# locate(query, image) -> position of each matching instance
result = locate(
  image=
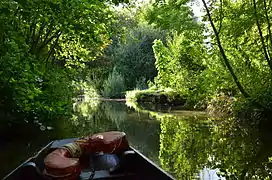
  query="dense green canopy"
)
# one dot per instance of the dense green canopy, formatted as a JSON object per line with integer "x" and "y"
{"x": 44, "y": 46}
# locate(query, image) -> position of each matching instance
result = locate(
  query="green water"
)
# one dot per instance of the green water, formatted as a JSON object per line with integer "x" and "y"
{"x": 188, "y": 145}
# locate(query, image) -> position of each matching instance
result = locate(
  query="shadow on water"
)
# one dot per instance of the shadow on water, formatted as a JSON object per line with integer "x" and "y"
{"x": 186, "y": 144}
{"x": 90, "y": 117}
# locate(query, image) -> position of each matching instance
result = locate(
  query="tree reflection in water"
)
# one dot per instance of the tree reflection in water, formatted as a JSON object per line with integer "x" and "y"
{"x": 186, "y": 144}
{"x": 189, "y": 145}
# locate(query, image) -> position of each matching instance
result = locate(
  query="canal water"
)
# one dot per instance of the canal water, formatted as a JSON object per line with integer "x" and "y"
{"x": 188, "y": 145}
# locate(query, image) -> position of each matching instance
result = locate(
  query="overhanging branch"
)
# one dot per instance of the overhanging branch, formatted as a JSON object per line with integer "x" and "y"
{"x": 226, "y": 61}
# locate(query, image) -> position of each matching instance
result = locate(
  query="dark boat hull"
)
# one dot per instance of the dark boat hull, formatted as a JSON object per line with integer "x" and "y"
{"x": 129, "y": 165}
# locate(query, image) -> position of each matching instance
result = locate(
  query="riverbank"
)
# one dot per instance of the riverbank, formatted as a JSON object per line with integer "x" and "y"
{"x": 109, "y": 99}
{"x": 157, "y": 99}
{"x": 220, "y": 105}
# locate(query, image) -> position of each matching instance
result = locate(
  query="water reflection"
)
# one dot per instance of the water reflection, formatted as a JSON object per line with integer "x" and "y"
{"x": 209, "y": 174}
{"x": 186, "y": 144}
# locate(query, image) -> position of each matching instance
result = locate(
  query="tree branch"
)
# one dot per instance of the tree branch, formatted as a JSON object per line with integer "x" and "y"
{"x": 53, "y": 47}
{"x": 46, "y": 41}
{"x": 261, "y": 36}
{"x": 221, "y": 17}
{"x": 49, "y": 31}
{"x": 37, "y": 38}
{"x": 222, "y": 51}
{"x": 31, "y": 29}
{"x": 268, "y": 24}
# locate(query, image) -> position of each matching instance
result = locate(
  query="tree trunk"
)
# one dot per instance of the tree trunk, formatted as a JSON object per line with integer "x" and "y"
{"x": 53, "y": 47}
{"x": 47, "y": 41}
{"x": 222, "y": 51}
{"x": 261, "y": 36}
{"x": 268, "y": 25}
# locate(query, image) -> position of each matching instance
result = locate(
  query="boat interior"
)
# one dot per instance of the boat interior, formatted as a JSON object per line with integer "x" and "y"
{"x": 127, "y": 165}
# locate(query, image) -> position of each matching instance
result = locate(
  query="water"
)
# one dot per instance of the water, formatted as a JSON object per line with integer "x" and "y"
{"x": 188, "y": 145}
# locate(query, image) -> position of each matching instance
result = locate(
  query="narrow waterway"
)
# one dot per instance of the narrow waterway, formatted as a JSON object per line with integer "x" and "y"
{"x": 188, "y": 145}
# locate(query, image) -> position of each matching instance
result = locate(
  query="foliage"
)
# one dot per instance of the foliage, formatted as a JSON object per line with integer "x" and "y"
{"x": 134, "y": 57}
{"x": 130, "y": 51}
{"x": 141, "y": 83}
{"x": 45, "y": 46}
{"x": 244, "y": 47}
{"x": 232, "y": 55}
{"x": 138, "y": 95}
{"x": 172, "y": 15}
{"x": 221, "y": 61}
{"x": 221, "y": 105}
{"x": 114, "y": 86}
{"x": 179, "y": 64}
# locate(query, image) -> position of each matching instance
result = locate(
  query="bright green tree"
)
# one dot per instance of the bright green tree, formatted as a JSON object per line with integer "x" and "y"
{"x": 234, "y": 49}
{"x": 44, "y": 48}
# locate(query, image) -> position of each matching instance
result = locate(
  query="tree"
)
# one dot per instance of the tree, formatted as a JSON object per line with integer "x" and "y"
{"x": 134, "y": 58}
{"x": 245, "y": 48}
{"x": 235, "y": 51}
{"x": 45, "y": 46}
{"x": 237, "y": 82}
{"x": 114, "y": 86}
{"x": 172, "y": 15}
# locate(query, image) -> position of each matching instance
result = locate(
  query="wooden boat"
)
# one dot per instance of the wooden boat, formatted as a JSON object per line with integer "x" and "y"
{"x": 129, "y": 164}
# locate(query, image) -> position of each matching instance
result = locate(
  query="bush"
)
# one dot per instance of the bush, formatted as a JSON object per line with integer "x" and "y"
{"x": 134, "y": 57}
{"x": 114, "y": 86}
{"x": 141, "y": 83}
{"x": 221, "y": 105}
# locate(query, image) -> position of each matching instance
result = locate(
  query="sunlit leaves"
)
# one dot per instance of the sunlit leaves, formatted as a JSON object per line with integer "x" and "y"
{"x": 45, "y": 45}
{"x": 179, "y": 62}
{"x": 172, "y": 15}
{"x": 242, "y": 42}
{"x": 239, "y": 33}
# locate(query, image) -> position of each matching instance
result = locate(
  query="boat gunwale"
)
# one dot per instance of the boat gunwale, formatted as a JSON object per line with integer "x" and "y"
{"x": 36, "y": 154}
{"x": 52, "y": 142}
{"x": 152, "y": 163}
